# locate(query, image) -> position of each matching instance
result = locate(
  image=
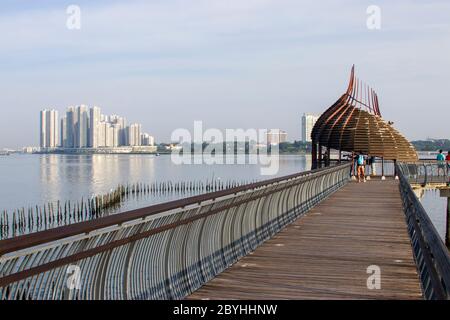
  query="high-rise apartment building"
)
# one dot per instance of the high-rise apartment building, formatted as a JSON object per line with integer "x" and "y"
{"x": 109, "y": 135}
{"x": 117, "y": 131}
{"x": 134, "y": 134}
{"x": 102, "y": 134}
{"x": 82, "y": 127}
{"x": 308, "y": 122}
{"x": 43, "y": 129}
{"x": 94, "y": 126}
{"x": 49, "y": 132}
{"x": 71, "y": 120}
{"x": 63, "y": 134}
{"x": 276, "y": 137}
{"x": 147, "y": 140}
{"x": 117, "y": 120}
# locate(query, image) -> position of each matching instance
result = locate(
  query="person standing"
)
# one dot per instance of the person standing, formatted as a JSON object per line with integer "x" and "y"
{"x": 440, "y": 156}
{"x": 361, "y": 163}
{"x": 441, "y": 161}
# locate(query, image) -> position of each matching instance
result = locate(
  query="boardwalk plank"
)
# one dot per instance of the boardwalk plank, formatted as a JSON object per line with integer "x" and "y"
{"x": 325, "y": 254}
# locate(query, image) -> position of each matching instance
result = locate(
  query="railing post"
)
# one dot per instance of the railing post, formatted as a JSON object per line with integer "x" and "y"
{"x": 426, "y": 176}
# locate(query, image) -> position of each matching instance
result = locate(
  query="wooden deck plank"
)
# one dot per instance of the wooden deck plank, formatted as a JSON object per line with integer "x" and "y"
{"x": 325, "y": 254}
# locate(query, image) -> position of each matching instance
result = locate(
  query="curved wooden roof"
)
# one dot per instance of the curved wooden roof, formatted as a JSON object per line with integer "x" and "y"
{"x": 354, "y": 124}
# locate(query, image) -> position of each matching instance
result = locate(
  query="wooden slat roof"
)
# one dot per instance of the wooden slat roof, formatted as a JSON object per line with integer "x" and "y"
{"x": 354, "y": 124}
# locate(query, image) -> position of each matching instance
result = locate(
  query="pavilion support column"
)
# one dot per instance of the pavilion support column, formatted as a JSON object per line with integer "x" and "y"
{"x": 328, "y": 157}
{"x": 353, "y": 175}
{"x": 395, "y": 170}
{"x": 340, "y": 156}
{"x": 382, "y": 169}
{"x": 313, "y": 155}
{"x": 320, "y": 155}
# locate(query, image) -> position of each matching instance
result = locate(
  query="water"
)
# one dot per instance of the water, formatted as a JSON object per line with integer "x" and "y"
{"x": 30, "y": 180}
{"x": 436, "y": 207}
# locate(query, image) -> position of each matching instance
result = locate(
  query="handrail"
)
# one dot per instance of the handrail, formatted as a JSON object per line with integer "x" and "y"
{"x": 33, "y": 239}
{"x": 432, "y": 256}
{"x": 426, "y": 172}
{"x": 164, "y": 251}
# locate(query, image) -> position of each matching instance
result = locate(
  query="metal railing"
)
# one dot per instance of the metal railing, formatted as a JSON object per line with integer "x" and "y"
{"x": 426, "y": 172}
{"x": 165, "y": 251}
{"x": 431, "y": 255}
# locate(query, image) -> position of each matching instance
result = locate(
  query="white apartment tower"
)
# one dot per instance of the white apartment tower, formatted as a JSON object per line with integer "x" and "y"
{"x": 308, "y": 122}
{"x": 81, "y": 128}
{"x": 134, "y": 134}
{"x": 49, "y": 132}
{"x": 102, "y": 133}
{"x": 63, "y": 134}
{"x": 147, "y": 140}
{"x": 277, "y": 136}
{"x": 71, "y": 120}
{"x": 94, "y": 127}
{"x": 109, "y": 135}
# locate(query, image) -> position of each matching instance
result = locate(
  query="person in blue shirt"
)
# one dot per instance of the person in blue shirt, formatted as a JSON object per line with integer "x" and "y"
{"x": 441, "y": 161}
{"x": 440, "y": 156}
{"x": 361, "y": 166}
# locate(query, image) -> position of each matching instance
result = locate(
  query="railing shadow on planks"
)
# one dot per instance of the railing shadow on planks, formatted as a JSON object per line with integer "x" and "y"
{"x": 165, "y": 251}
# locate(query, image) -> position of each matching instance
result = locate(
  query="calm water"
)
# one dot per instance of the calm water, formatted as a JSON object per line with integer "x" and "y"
{"x": 30, "y": 180}
{"x": 436, "y": 207}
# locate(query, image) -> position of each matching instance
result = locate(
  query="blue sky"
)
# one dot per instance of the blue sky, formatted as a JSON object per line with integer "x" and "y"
{"x": 232, "y": 64}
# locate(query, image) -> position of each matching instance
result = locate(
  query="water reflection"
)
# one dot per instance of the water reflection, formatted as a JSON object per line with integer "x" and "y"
{"x": 30, "y": 180}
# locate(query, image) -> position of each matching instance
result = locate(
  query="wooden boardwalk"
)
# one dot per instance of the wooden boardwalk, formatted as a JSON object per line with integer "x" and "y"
{"x": 325, "y": 254}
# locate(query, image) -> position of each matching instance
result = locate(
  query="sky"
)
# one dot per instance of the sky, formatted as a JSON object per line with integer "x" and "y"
{"x": 229, "y": 63}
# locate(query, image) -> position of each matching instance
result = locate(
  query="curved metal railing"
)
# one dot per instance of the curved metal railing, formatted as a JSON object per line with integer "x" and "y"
{"x": 426, "y": 172}
{"x": 432, "y": 256}
{"x": 165, "y": 251}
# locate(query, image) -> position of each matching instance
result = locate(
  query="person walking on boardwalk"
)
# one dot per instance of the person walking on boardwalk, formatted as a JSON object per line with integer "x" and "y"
{"x": 361, "y": 163}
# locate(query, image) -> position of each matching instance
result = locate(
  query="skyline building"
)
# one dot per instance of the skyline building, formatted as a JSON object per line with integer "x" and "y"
{"x": 276, "y": 136}
{"x": 70, "y": 128}
{"x": 94, "y": 120}
{"x": 84, "y": 127}
{"x": 147, "y": 140}
{"x": 308, "y": 122}
{"x": 134, "y": 135}
{"x": 63, "y": 132}
{"x": 49, "y": 132}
